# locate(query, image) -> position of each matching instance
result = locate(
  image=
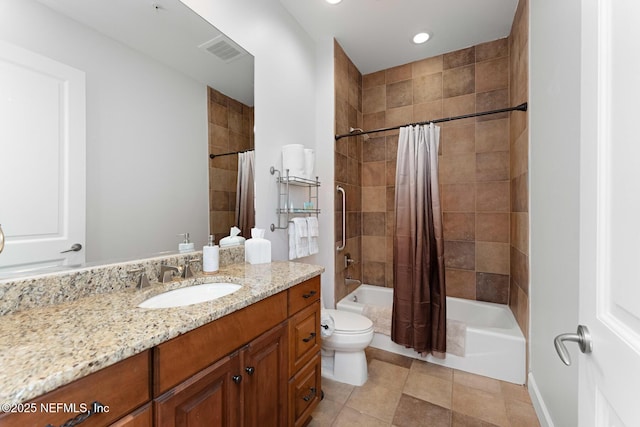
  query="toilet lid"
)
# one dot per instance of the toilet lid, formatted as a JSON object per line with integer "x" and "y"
{"x": 347, "y": 321}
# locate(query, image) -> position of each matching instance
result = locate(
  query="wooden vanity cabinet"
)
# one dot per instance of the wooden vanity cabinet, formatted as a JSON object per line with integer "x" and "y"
{"x": 258, "y": 366}
{"x": 272, "y": 381}
{"x": 245, "y": 388}
{"x": 121, "y": 388}
{"x": 305, "y": 386}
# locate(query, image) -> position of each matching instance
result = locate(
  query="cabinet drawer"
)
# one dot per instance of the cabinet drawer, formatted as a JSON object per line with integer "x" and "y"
{"x": 304, "y": 392}
{"x": 121, "y": 387}
{"x": 180, "y": 358}
{"x": 304, "y": 294}
{"x": 304, "y": 337}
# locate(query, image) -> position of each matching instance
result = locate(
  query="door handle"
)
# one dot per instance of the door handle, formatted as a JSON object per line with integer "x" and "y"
{"x": 74, "y": 248}
{"x": 582, "y": 337}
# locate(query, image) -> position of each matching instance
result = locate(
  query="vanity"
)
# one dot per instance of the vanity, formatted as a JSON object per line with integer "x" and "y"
{"x": 246, "y": 359}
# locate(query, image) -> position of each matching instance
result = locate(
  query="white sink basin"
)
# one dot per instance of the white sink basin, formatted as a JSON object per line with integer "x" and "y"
{"x": 190, "y": 295}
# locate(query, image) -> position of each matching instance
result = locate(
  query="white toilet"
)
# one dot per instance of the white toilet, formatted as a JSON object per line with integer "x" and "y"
{"x": 343, "y": 357}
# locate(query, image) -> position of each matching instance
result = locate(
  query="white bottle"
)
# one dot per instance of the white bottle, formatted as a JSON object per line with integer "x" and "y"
{"x": 210, "y": 257}
{"x": 186, "y": 245}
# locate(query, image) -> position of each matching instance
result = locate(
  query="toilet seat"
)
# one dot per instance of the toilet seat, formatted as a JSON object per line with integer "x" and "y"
{"x": 347, "y": 323}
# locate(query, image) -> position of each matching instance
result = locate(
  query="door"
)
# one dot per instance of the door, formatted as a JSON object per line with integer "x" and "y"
{"x": 42, "y": 160}
{"x": 610, "y": 212}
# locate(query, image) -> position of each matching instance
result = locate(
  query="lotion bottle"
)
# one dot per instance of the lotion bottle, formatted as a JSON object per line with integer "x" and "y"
{"x": 210, "y": 257}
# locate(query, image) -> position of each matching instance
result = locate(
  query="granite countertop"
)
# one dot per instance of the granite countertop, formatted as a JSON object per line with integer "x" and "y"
{"x": 45, "y": 347}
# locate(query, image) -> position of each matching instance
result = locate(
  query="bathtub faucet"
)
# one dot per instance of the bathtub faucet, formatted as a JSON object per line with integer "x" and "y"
{"x": 348, "y": 260}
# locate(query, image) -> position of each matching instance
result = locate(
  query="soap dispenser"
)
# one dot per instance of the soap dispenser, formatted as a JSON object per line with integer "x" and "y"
{"x": 210, "y": 257}
{"x": 186, "y": 245}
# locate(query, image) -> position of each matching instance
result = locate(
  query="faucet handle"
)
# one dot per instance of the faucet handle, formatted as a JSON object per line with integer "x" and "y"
{"x": 143, "y": 280}
{"x": 186, "y": 269}
{"x": 348, "y": 260}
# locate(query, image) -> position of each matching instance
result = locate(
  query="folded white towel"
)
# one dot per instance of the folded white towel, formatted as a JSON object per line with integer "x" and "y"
{"x": 312, "y": 223}
{"x": 292, "y": 241}
{"x": 302, "y": 241}
{"x": 302, "y": 229}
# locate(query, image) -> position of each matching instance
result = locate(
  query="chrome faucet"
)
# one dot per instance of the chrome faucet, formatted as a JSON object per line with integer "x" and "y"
{"x": 167, "y": 271}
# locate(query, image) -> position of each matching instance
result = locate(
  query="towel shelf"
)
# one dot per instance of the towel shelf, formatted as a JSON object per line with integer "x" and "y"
{"x": 285, "y": 209}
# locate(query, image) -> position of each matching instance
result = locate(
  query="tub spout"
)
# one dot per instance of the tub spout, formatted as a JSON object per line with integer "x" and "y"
{"x": 349, "y": 282}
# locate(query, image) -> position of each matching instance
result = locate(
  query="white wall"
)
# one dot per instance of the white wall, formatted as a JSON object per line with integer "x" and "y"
{"x": 146, "y": 136}
{"x": 554, "y": 203}
{"x": 293, "y": 104}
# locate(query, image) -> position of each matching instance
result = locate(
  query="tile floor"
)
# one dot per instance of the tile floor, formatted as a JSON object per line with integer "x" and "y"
{"x": 405, "y": 392}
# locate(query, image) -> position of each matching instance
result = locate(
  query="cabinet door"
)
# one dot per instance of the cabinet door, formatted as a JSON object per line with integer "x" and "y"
{"x": 211, "y": 398}
{"x": 139, "y": 418}
{"x": 265, "y": 373}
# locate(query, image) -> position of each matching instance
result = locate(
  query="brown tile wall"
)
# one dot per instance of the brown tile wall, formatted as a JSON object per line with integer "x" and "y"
{"x": 519, "y": 170}
{"x": 230, "y": 129}
{"x": 474, "y": 165}
{"x": 348, "y": 170}
{"x": 483, "y": 165}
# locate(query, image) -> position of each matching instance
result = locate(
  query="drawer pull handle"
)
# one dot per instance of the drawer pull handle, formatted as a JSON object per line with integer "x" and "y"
{"x": 310, "y": 337}
{"x": 96, "y": 408}
{"x": 309, "y": 295}
{"x": 237, "y": 379}
{"x": 311, "y": 395}
{"x": 250, "y": 370}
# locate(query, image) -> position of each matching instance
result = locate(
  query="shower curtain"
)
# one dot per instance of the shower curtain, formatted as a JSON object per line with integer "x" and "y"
{"x": 419, "y": 299}
{"x": 245, "y": 211}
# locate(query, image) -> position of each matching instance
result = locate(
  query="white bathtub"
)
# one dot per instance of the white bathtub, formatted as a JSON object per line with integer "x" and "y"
{"x": 494, "y": 344}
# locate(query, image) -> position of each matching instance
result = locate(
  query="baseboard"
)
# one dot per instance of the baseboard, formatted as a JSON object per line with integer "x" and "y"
{"x": 538, "y": 403}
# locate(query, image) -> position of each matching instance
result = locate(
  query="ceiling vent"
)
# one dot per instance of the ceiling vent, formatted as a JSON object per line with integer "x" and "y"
{"x": 223, "y": 48}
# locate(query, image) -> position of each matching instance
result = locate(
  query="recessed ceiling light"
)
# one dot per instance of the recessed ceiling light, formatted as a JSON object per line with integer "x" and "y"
{"x": 333, "y": 1}
{"x": 421, "y": 38}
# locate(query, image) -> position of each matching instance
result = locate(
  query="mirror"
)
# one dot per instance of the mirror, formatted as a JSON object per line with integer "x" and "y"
{"x": 150, "y": 115}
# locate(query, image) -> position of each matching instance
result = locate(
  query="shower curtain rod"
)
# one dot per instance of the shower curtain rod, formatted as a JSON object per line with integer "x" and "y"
{"x": 521, "y": 107}
{"x": 213, "y": 156}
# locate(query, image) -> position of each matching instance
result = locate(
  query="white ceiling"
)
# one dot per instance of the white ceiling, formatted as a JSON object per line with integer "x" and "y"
{"x": 168, "y": 31}
{"x": 376, "y": 34}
